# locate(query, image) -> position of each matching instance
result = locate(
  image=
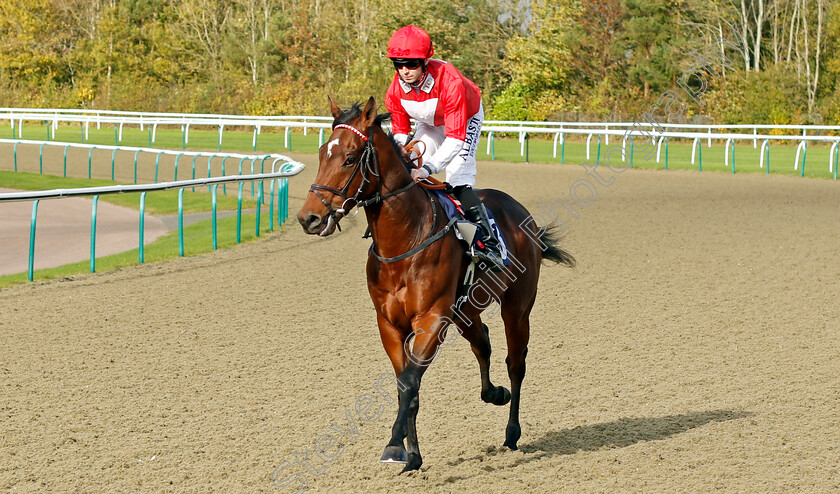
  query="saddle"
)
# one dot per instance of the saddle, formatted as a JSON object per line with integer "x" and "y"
{"x": 466, "y": 230}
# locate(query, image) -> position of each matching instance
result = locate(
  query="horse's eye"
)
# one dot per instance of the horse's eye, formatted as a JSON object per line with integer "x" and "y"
{"x": 350, "y": 160}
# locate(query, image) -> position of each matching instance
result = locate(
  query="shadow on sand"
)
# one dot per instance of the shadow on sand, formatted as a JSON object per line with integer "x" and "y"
{"x": 618, "y": 434}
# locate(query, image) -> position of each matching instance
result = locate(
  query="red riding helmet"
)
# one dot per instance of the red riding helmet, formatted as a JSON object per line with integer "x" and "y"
{"x": 410, "y": 42}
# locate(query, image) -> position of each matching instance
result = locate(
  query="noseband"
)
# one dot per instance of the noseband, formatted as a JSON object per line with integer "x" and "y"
{"x": 368, "y": 165}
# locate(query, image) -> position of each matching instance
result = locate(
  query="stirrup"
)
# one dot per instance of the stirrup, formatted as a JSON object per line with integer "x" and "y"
{"x": 491, "y": 256}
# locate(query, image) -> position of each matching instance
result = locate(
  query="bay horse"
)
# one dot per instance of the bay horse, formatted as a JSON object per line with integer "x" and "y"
{"x": 416, "y": 264}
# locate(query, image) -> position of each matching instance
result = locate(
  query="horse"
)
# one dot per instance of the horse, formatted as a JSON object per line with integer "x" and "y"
{"x": 416, "y": 264}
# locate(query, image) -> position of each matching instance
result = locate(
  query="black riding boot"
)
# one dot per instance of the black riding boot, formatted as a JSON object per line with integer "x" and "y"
{"x": 475, "y": 211}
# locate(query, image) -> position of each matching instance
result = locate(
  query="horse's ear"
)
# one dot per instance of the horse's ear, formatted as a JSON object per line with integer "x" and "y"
{"x": 370, "y": 111}
{"x": 334, "y": 109}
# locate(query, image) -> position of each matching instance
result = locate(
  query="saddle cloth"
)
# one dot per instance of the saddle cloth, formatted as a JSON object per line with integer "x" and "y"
{"x": 467, "y": 230}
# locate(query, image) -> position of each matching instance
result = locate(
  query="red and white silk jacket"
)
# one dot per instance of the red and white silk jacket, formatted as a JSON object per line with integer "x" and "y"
{"x": 444, "y": 97}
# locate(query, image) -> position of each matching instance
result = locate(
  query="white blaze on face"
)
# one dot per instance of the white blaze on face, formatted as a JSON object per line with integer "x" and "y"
{"x": 330, "y": 146}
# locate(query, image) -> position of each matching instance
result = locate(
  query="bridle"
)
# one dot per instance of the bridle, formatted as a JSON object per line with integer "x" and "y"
{"x": 368, "y": 165}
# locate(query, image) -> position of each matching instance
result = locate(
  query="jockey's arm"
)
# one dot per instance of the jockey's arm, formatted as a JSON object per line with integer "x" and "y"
{"x": 447, "y": 151}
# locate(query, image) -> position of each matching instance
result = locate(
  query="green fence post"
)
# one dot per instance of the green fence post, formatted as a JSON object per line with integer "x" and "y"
{"x": 41, "y": 158}
{"x": 252, "y": 172}
{"x": 135, "y": 165}
{"x": 157, "y": 165}
{"x": 262, "y": 166}
{"x": 700, "y": 157}
{"x": 32, "y": 240}
{"x": 224, "y": 174}
{"x": 732, "y": 155}
{"x": 181, "y": 222}
{"x": 562, "y": 147}
{"x": 142, "y": 225}
{"x": 279, "y": 202}
{"x": 93, "y": 234}
{"x": 15, "y": 153}
{"x": 239, "y": 214}
{"x": 804, "y": 153}
{"x": 285, "y": 199}
{"x": 113, "y": 161}
{"x": 48, "y": 131}
{"x": 209, "y": 161}
{"x": 767, "y": 159}
{"x": 259, "y": 203}
{"x": 271, "y": 206}
{"x": 90, "y": 157}
{"x": 195, "y": 157}
{"x": 666, "y": 153}
{"x": 176, "y": 165}
{"x": 213, "y": 204}
{"x": 65, "y": 159}
{"x": 116, "y": 135}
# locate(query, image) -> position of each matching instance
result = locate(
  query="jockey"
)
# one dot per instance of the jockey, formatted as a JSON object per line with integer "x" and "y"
{"x": 448, "y": 111}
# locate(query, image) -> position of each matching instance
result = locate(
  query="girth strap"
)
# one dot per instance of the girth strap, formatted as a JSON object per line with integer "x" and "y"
{"x": 429, "y": 241}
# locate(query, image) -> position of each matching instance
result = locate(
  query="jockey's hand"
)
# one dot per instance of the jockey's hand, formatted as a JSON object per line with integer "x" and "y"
{"x": 419, "y": 174}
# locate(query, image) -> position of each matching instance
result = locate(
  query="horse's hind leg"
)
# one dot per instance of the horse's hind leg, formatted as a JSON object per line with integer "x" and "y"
{"x": 479, "y": 337}
{"x": 517, "y": 329}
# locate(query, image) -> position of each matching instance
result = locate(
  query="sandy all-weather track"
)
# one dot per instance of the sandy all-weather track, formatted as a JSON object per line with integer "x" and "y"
{"x": 695, "y": 347}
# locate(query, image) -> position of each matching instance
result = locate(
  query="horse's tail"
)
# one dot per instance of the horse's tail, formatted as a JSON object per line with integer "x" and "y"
{"x": 552, "y": 252}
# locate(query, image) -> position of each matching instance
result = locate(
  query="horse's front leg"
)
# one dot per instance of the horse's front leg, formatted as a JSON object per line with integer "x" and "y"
{"x": 393, "y": 339}
{"x": 426, "y": 343}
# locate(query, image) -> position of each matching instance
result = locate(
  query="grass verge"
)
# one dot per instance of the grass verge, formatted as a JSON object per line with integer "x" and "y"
{"x": 157, "y": 203}
{"x": 198, "y": 239}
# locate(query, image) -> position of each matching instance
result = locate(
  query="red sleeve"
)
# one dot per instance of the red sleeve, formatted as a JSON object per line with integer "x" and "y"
{"x": 455, "y": 106}
{"x": 400, "y": 123}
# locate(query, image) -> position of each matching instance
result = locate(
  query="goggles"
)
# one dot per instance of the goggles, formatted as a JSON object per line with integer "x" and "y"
{"x": 410, "y": 63}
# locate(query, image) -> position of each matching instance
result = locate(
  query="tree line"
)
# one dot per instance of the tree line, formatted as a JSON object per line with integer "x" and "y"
{"x": 538, "y": 60}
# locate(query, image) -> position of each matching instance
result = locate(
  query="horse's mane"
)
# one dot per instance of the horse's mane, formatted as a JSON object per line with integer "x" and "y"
{"x": 355, "y": 111}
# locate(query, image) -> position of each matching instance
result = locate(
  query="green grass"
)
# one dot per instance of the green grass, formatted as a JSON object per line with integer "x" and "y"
{"x": 539, "y": 149}
{"x": 157, "y": 203}
{"x": 271, "y": 140}
{"x": 198, "y": 239}
{"x": 782, "y": 156}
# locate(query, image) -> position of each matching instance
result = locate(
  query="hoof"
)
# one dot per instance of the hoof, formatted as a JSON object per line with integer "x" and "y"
{"x": 512, "y": 434}
{"x": 498, "y": 396}
{"x": 394, "y": 454}
{"x": 414, "y": 462}
{"x": 502, "y": 396}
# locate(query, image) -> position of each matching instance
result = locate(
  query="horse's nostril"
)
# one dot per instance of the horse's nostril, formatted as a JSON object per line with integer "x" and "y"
{"x": 309, "y": 222}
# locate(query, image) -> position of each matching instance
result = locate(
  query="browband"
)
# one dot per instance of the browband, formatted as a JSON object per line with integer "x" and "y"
{"x": 354, "y": 129}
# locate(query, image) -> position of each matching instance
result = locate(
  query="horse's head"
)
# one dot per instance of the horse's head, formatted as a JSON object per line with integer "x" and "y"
{"x": 348, "y": 171}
